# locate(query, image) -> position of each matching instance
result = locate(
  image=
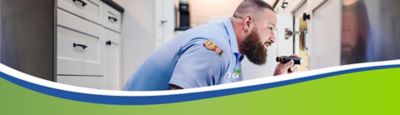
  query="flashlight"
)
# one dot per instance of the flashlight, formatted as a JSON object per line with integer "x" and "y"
{"x": 285, "y": 59}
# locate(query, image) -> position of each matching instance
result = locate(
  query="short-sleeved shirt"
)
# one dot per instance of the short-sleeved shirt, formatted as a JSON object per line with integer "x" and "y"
{"x": 186, "y": 62}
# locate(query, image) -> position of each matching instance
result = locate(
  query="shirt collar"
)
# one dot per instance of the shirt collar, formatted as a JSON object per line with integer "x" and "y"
{"x": 232, "y": 38}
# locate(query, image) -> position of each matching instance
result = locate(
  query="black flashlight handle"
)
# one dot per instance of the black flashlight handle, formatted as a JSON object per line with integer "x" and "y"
{"x": 286, "y": 59}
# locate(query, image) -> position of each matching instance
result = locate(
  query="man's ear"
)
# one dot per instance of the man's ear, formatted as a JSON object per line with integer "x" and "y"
{"x": 248, "y": 24}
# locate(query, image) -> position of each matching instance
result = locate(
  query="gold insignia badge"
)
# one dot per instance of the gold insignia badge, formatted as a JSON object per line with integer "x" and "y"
{"x": 213, "y": 47}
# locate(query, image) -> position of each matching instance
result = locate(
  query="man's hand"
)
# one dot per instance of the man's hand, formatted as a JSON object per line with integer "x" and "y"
{"x": 282, "y": 68}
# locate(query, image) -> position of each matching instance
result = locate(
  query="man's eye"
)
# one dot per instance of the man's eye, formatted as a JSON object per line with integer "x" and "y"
{"x": 271, "y": 28}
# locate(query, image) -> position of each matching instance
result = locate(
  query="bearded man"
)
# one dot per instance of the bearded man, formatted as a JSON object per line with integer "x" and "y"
{"x": 211, "y": 54}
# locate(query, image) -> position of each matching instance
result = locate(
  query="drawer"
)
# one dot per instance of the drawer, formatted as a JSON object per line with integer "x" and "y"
{"x": 78, "y": 53}
{"x": 78, "y": 45}
{"x": 88, "y": 9}
{"x": 112, "y": 18}
{"x": 69, "y": 20}
{"x": 95, "y": 82}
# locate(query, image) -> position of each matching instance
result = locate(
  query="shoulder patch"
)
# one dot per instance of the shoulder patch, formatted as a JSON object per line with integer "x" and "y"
{"x": 213, "y": 47}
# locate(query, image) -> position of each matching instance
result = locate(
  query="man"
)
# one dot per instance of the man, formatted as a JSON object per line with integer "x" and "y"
{"x": 211, "y": 54}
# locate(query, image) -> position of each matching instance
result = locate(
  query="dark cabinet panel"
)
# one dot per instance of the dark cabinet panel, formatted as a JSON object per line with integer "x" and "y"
{"x": 28, "y": 37}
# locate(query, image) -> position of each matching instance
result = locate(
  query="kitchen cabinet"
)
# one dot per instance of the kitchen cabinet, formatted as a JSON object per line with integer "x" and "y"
{"x": 74, "y": 42}
{"x": 307, "y": 28}
{"x": 88, "y": 44}
{"x": 315, "y": 25}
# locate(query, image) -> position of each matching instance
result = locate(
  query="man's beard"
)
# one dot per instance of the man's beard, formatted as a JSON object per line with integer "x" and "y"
{"x": 254, "y": 49}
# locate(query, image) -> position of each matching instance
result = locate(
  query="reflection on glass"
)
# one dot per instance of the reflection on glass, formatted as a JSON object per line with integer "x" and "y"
{"x": 354, "y": 32}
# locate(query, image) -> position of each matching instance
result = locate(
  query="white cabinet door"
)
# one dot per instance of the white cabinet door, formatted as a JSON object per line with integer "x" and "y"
{"x": 301, "y": 26}
{"x": 298, "y": 12}
{"x": 95, "y": 82}
{"x": 112, "y": 57}
{"x": 325, "y": 31}
{"x": 285, "y": 21}
{"x": 164, "y": 21}
{"x": 78, "y": 46}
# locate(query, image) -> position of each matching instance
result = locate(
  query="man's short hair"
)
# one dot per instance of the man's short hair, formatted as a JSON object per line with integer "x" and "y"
{"x": 251, "y": 6}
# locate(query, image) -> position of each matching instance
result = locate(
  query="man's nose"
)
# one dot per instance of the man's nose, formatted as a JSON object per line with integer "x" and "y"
{"x": 272, "y": 38}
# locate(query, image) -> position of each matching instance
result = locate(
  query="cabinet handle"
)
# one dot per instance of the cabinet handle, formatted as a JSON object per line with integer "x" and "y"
{"x": 284, "y": 4}
{"x": 79, "y": 45}
{"x": 108, "y": 43}
{"x": 113, "y": 19}
{"x": 306, "y": 16}
{"x": 82, "y": 2}
{"x": 164, "y": 21}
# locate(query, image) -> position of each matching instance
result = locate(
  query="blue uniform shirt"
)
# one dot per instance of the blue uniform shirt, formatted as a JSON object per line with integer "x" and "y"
{"x": 187, "y": 63}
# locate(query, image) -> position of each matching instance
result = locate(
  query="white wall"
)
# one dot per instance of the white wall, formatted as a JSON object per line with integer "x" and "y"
{"x": 138, "y": 40}
{"x": 202, "y": 11}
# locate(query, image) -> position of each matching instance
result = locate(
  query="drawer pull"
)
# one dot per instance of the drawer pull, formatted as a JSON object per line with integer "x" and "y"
{"x": 306, "y": 16}
{"x": 79, "y": 45}
{"x": 112, "y": 19}
{"x": 108, "y": 43}
{"x": 82, "y": 2}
